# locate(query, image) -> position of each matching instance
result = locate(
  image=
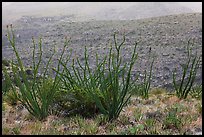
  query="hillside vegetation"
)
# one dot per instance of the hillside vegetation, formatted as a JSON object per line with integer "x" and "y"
{"x": 103, "y": 77}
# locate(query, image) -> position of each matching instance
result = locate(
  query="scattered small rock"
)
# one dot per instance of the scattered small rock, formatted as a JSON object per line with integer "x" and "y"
{"x": 165, "y": 54}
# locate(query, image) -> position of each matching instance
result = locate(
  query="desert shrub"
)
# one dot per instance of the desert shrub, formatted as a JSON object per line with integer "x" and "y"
{"x": 147, "y": 81}
{"x": 36, "y": 95}
{"x": 6, "y": 82}
{"x": 11, "y": 98}
{"x": 103, "y": 86}
{"x": 196, "y": 91}
{"x": 142, "y": 89}
{"x": 172, "y": 121}
{"x": 183, "y": 88}
{"x": 72, "y": 102}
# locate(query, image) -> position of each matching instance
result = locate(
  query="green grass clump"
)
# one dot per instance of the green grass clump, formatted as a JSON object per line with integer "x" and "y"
{"x": 158, "y": 91}
{"x": 135, "y": 130}
{"x": 149, "y": 123}
{"x": 16, "y": 131}
{"x": 192, "y": 65}
{"x": 137, "y": 114}
{"x": 196, "y": 92}
{"x": 101, "y": 119}
{"x": 6, "y": 82}
{"x": 172, "y": 121}
{"x": 199, "y": 108}
{"x": 11, "y": 98}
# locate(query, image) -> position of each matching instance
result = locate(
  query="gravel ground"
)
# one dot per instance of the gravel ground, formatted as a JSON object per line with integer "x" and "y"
{"x": 167, "y": 36}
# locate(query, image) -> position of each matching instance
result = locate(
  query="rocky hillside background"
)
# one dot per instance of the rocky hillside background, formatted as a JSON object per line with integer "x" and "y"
{"x": 166, "y": 35}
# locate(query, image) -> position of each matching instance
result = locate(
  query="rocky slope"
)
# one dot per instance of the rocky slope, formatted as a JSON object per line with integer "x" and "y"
{"x": 167, "y": 36}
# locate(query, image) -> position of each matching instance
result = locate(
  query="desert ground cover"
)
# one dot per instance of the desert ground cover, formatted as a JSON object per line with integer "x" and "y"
{"x": 162, "y": 114}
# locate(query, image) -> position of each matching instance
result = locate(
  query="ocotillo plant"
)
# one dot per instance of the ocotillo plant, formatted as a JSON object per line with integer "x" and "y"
{"x": 142, "y": 89}
{"x": 147, "y": 81}
{"x": 183, "y": 88}
{"x": 35, "y": 95}
{"x": 102, "y": 85}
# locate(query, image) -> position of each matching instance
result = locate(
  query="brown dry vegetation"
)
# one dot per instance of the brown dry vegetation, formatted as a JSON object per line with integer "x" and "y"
{"x": 138, "y": 112}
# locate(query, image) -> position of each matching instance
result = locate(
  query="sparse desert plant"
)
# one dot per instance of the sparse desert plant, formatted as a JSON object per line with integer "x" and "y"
{"x": 149, "y": 123}
{"x": 199, "y": 108}
{"x": 6, "y": 131}
{"x": 183, "y": 88}
{"x": 6, "y": 81}
{"x": 101, "y": 119}
{"x": 178, "y": 107}
{"x": 157, "y": 91}
{"x": 137, "y": 114}
{"x": 75, "y": 100}
{"x": 172, "y": 121}
{"x": 147, "y": 81}
{"x": 135, "y": 130}
{"x": 73, "y": 95}
{"x": 142, "y": 89}
{"x": 124, "y": 120}
{"x": 36, "y": 95}
{"x": 110, "y": 127}
{"x": 115, "y": 92}
{"x": 88, "y": 128}
{"x": 196, "y": 91}
{"x": 104, "y": 86}
{"x": 16, "y": 130}
{"x": 11, "y": 98}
